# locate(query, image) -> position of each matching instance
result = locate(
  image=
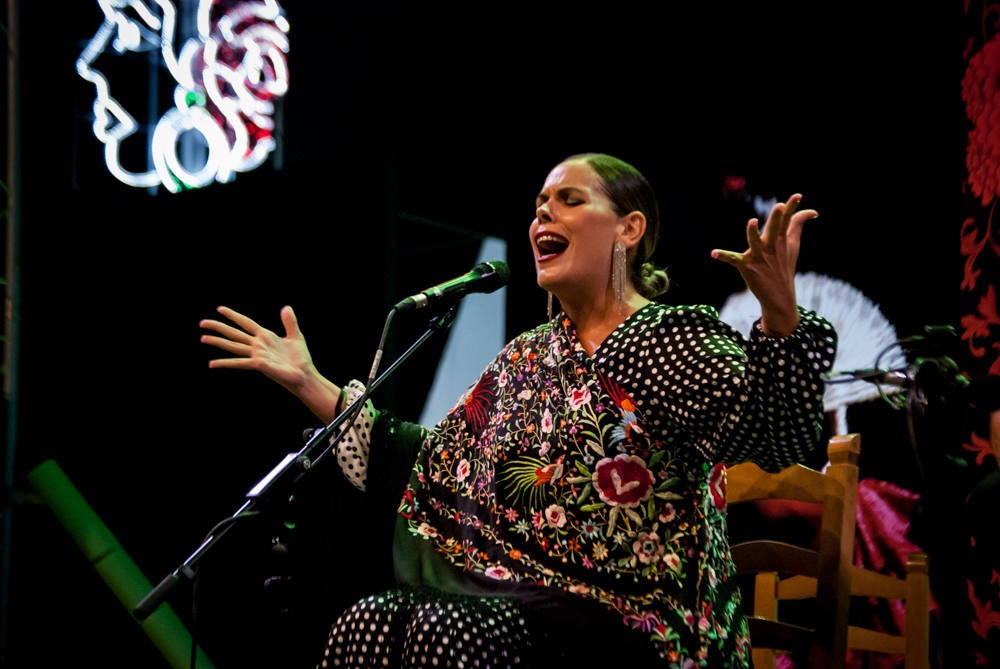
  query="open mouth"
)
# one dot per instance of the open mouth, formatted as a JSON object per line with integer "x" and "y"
{"x": 550, "y": 245}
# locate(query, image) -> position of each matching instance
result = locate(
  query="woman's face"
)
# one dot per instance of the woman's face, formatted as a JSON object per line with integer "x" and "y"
{"x": 573, "y": 233}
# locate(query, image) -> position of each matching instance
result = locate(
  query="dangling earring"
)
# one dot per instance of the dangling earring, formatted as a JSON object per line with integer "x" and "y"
{"x": 619, "y": 273}
{"x": 550, "y": 306}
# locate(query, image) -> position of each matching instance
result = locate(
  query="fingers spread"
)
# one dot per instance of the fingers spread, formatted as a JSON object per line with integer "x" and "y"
{"x": 754, "y": 238}
{"x": 792, "y": 204}
{"x": 728, "y": 257}
{"x": 248, "y": 324}
{"x": 226, "y": 344}
{"x": 290, "y": 322}
{"x": 227, "y": 331}
{"x": 799, "y": 219}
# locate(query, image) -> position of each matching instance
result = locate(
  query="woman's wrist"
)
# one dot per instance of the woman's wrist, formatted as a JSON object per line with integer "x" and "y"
{"x": 774, "y": 324}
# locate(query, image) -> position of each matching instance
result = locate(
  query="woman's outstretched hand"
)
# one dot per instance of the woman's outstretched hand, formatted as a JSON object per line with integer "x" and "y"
{"x": 768, "y": 265}
{"x": 285, "y": 360}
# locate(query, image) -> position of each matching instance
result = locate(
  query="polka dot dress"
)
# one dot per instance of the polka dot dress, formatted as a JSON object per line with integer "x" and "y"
{"x": 601, "y": 476}
{"x": 406, "y": 629}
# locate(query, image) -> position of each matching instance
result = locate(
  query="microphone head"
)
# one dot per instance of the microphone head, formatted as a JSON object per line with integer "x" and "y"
{"x": 493, "y": 275}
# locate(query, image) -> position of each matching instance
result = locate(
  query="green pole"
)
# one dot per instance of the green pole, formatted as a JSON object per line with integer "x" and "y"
{"x": 103, "y": 550}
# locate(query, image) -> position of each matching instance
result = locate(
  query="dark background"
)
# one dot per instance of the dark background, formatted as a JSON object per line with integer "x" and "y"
{"x": 410, "y": 131}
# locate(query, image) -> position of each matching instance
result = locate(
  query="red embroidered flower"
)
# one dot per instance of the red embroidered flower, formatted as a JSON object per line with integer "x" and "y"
{"x": 717, "y": 485}
{"x": 408, "y": 505}
{"x": 623, "y": 480}
{"x": 578, "y": 397}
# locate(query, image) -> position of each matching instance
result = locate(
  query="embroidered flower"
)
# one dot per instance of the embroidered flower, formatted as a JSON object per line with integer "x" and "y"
{"x": 589, "y": 529}
{"x": 463, "y": 469}
{"x": 547, "y": 421}
{"x": 623, "y": 480}
{"x": 498, "y": 572}
{"x": 426, "y": 530}
{"x": 646, "y": 623}
{"x": 407, "y": 505}
{"x": 717, "y": 486}
{"x": 555, "y": 515}
{"x": 647, "y": 547}
{"x": 578, "y": 397}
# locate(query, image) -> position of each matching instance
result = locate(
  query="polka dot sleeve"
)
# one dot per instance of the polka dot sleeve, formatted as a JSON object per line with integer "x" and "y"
{"x": 782, "y": 418}
{"x": 353, "y": 449}
{"x": 696, "y": 379}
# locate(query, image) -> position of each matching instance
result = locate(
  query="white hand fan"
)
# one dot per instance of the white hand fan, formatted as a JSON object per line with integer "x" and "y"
{"x": 866, "y": 338}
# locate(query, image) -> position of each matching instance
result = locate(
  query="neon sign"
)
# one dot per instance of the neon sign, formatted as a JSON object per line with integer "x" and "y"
{"x": 228, "y": 75}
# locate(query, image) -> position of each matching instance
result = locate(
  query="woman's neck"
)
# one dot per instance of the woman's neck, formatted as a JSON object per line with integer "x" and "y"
{"x": 596, "y": 321}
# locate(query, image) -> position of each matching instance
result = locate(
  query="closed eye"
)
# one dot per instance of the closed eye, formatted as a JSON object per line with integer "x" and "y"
{"x": 571, "y": 197}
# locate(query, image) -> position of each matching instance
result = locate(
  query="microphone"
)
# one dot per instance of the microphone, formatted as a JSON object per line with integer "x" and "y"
{"x": 892, "y": 377}
{"x": 483, "y": 278}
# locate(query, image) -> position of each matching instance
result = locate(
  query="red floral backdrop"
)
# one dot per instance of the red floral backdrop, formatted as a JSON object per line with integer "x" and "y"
{"x": 951, "y": 408}
{"x": 979, "y": 607}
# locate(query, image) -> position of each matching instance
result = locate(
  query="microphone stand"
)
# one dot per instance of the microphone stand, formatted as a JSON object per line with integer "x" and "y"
{"x": 296, "y": 464}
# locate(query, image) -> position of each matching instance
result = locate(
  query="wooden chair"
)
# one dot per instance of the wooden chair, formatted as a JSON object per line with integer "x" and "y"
{"x": 815, "y": 569}
{"x": 867, "y": 586}
{"x": 828, "y": 556}
{"x": 913, "y": 589}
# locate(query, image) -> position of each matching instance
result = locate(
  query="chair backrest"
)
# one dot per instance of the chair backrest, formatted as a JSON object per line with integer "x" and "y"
{"x": 815, "y": 569}
{"x": 912, "y": 642}
{"x": 771, "y": 587}
{"x": 912, "y": 588}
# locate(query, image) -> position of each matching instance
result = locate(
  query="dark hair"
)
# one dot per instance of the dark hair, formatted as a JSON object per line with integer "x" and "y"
{"x": 629, "y": 190}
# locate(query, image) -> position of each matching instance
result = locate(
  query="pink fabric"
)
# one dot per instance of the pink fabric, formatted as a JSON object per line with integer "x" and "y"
{"x": 883, "y": 521}
{"x": 881, "y": 543}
